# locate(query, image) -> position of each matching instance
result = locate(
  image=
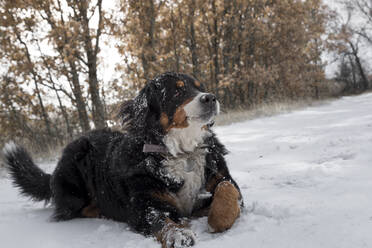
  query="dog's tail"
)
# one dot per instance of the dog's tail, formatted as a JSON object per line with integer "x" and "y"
{"x": 29, "y": 178}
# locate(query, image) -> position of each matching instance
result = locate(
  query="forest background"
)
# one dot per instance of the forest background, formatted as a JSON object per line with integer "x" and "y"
{"x": 66, "y": 65}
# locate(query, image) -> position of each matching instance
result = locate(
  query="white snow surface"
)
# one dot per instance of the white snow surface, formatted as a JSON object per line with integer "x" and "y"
{"x": 306, "y": 178}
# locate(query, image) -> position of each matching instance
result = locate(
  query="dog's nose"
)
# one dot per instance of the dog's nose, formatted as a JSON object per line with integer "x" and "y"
{"x": 208, "y": 99}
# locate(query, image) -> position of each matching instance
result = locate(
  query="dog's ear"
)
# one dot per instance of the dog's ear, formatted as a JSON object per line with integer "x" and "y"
{"x": 142, "y": 111}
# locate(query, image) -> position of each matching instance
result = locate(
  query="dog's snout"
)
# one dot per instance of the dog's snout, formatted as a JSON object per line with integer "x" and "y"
{"x": 208, "y": 99}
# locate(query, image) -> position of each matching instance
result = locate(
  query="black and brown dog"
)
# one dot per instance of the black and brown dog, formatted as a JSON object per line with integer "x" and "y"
{"x": 165, "y": 165}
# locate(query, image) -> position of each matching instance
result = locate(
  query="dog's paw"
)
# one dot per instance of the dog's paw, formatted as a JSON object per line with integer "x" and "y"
{"x": 225, "y": 207}
{"x": 179, "y": 238}
{"x": 176, "y": 236}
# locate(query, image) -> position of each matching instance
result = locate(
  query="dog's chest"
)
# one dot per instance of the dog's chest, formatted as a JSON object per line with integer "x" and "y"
{"x": 190, "y": 169}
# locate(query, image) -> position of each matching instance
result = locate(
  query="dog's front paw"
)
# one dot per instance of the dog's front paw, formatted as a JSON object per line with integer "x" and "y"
{"x": 176, "y": 236}
{"x": 225, "y": 207}
{"x": 179, "y": 237}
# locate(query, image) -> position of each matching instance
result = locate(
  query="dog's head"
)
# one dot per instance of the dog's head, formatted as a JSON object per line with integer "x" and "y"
{"x": 171, "y": 104}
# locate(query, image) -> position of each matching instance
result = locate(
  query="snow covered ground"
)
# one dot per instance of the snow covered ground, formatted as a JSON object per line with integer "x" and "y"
{"x": 306, "y": 178}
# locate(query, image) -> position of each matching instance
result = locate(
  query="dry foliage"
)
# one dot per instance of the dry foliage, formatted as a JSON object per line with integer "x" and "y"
{"x": 248, "y": 52}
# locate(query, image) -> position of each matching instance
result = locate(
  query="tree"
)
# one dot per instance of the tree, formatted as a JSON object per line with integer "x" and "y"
{"x": 246, "y": 52}
{"x": 50, "y": 50}
{"x": 23, "y": 64}
{"x": 346, "y": 40}
{"x": 76, "y": 47}
{"x": 364, "y": 10}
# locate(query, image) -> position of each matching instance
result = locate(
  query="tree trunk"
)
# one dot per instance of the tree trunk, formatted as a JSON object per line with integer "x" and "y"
{"x": 227, "y": 36}
{"x": 71, "y": 74}
{"x": 365, "y": 82}
{"x": 97, "y": 106}
{"x": 91, "y": 53}
{"x": 147, "y": 53}
{"x": 215, "y": 44}
{"x": 79, "y": 100}
{"x": 64, "y": 114}
{"x": 175, "y": 45}
{"x": 192, "y": 40}
{"x": 44, "y": 114}
{"x": 353, "y": 73}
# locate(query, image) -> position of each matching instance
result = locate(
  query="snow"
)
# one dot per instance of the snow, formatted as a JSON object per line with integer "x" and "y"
{"x": 306, "y": 178}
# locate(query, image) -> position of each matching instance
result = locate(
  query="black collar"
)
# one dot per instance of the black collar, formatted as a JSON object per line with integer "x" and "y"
{"x": 155, "y": 148}
{"x": 163, "y": 150}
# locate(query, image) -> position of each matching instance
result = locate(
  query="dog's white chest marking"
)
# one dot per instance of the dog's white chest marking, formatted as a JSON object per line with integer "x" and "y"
{"x": 190, "y": 169}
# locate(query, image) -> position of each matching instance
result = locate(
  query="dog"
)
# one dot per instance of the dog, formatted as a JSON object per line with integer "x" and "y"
{"x": 163, "y": 166}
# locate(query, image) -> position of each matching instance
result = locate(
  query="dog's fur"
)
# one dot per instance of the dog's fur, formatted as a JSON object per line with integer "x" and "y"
{"x": 106, "y": 173}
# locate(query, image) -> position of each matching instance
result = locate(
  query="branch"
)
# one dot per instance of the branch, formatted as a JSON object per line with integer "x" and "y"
{"x": 363, "y": 10}
{"x": 364, "y": 35}
{"x": 99, "y": 28}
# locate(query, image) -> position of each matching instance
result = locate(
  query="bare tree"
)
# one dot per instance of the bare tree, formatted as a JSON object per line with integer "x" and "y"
{"x": 346, "y": 40}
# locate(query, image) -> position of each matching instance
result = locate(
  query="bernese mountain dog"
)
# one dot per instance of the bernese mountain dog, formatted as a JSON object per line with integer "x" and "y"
{"x": 162, "y": 168}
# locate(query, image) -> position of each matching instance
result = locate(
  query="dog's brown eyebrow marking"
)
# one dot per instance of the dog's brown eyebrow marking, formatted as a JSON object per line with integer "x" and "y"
{"x": 180, "y": 84}
{"x": 197, "y": 83}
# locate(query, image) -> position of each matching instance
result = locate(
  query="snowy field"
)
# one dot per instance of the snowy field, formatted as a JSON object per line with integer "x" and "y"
{"x": 306, "y": 178}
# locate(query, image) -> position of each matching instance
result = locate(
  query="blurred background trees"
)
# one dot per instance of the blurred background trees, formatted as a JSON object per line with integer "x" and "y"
{"x": 246, "y": 52}
{"x": 351, "y": 37}
{"x": 55, "y": 83}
